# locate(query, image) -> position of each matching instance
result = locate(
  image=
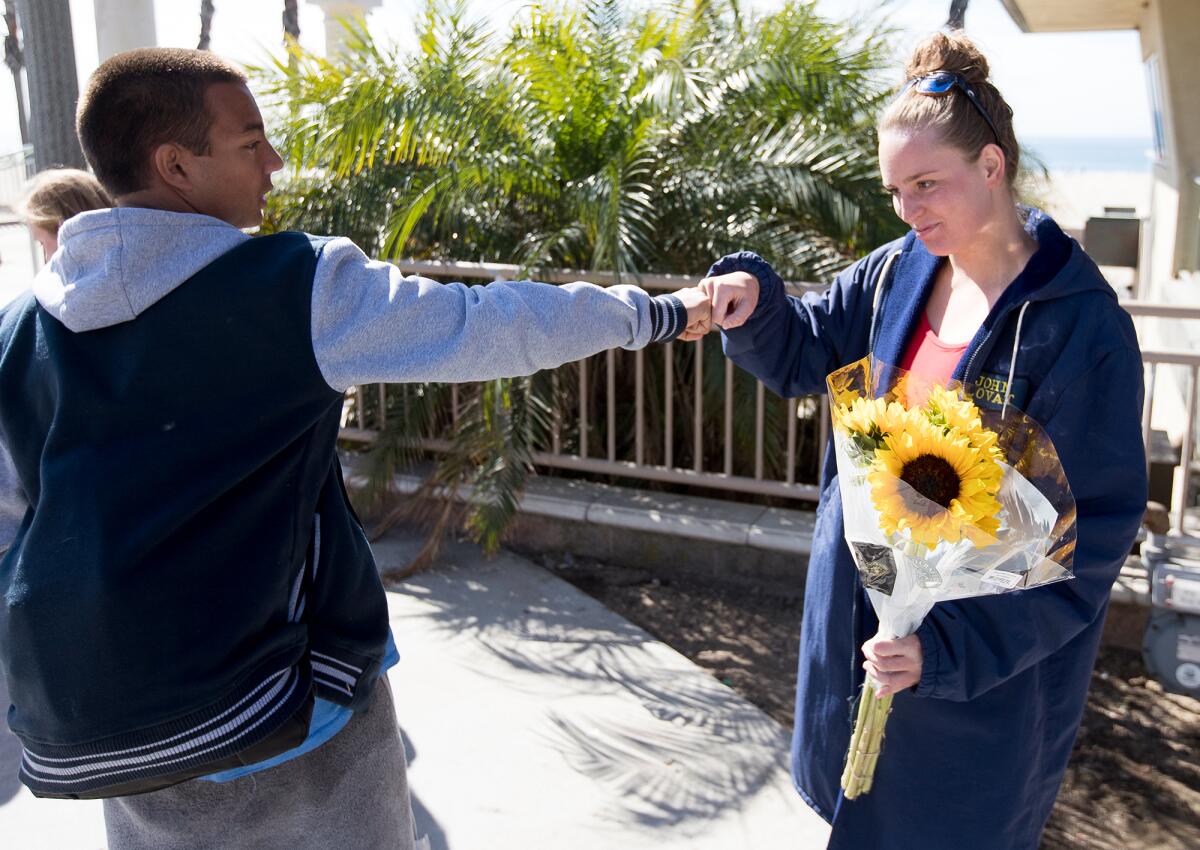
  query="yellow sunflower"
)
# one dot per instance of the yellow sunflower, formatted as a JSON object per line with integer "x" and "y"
{"x": 949, "y": 409}
{"x": 873, "y": 417}
{"x": 957, "y": 484}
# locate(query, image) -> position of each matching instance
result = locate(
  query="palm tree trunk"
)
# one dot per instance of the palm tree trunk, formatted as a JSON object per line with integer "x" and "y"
{"x": 291, "y": 41}
{"x": 206, "y": 16}
{"x": 291, "y": 22}
{"x": 53, "y": 86}
{"x": 15, "y": 62}
{"x": 958, "y": 15}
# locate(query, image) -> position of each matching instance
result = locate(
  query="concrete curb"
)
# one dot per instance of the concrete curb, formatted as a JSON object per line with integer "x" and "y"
{"x": 783, "y": 530}
{"x": 692, "y": 517}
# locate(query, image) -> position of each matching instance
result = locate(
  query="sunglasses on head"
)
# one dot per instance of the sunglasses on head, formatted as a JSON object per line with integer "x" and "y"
{"x": 942, "y": 82}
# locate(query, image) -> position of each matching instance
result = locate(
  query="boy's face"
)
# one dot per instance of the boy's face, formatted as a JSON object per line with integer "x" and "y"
{"x": 231, "y": 182}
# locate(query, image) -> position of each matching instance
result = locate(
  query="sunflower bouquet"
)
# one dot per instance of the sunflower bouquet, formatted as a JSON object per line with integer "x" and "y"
{"x": 942, "y": 500}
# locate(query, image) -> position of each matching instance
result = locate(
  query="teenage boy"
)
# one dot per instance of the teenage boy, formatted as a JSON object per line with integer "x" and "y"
{"x": 188, "y": 594}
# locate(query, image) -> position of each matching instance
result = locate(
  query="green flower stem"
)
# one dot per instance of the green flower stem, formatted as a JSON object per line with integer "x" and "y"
{"x": 865, "y": 742}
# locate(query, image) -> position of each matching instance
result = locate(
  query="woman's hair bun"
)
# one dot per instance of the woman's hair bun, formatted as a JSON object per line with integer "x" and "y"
{"x": 948, "y": 52}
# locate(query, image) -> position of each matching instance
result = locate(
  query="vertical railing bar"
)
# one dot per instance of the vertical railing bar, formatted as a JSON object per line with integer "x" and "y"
{"x": 358, "y": 407}
{"x": 1185, "y": 459}
{"x": 698, "y": 415}
{"x": 668, "y": 407}
{"x": 611, "y": 401}
{"x": 556, "y": 418}
{"x": 823, "y": 439}
{"x": 583, "y": 408}
{"x": 382, "y": 406}
{"x": 792, "y": 407}
{"x": 1147, "y": 409}
{"x": 760, "y": 398}
{"x": 728, "y": 467}
{"x": 403, "y": 401}
{"x": 639, "y": 407}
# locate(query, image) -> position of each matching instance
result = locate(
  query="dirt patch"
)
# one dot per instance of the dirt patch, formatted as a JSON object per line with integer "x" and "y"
{"x": 1134, "y": 778}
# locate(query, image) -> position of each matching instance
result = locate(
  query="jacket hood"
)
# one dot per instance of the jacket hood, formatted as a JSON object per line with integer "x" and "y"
{"x": 1078, "y": 273}
{"x": 112, "y": 265}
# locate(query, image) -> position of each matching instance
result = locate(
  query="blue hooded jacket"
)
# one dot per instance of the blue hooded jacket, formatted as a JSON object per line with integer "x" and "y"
{"x": 976, "y": 751}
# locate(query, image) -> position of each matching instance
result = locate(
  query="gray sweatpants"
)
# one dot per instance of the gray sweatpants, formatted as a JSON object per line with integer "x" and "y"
{"x": 349, "y": 793}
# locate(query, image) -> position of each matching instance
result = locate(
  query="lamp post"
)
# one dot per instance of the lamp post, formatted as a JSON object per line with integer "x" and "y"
{"x": 335, "y": 33}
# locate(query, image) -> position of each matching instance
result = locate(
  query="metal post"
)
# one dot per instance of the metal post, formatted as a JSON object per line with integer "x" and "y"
{"x": 556, "y": 416}
{"x": 583, "y": 408}
{"x": 1147, "y": 408}
{"x": 760, "y": 397}
{"x": 668, "y": 407}
{"x": 1185, "y": 458}
{"x": 698, "y": 412}
{"x": 728, "y": 417}
{"x": 792, "y": 408}
{"x": 639, "y": 407}
{"x": 610, "y": 398}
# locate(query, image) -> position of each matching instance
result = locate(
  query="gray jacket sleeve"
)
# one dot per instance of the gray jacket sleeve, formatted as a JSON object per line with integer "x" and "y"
{"x": 372, "y": 324}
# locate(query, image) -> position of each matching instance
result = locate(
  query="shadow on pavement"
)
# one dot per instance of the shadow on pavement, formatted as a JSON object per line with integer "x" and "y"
{"x": 681, "y": 746}
{"x": 424, "y": 821}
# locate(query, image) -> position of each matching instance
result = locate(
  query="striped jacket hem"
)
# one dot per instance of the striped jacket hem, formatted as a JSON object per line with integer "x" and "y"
{"x": 238, "y": 721}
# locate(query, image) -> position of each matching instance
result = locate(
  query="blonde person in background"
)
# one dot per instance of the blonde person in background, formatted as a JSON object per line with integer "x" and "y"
{"x": 55, "y": 195}
{"x": 48, "y": 199}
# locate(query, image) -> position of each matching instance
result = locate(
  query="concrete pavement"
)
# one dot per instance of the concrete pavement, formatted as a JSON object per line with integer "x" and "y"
{"x": 535, "y": 718}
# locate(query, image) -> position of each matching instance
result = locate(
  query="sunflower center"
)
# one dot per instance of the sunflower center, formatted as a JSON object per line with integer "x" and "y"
{"x": 933, "y": 477}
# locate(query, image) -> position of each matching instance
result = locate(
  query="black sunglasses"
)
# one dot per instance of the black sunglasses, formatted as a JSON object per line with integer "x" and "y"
{"x": 942, "y": 82}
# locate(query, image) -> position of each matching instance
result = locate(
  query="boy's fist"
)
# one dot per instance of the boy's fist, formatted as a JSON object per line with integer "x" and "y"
{"x": 699, "y": 319}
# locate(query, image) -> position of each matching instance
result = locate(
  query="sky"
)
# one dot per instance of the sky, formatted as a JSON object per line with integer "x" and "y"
{"x": 1059, "y": 84}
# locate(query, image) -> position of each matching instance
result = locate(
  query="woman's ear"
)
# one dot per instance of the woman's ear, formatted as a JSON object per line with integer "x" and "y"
{"x": 994, "y": 165}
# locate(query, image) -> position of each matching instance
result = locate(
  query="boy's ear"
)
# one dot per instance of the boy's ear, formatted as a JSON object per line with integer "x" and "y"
{"x": 169, "y": 163}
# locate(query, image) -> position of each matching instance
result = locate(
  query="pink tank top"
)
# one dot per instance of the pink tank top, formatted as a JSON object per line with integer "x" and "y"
{"x": 928, "y": 356}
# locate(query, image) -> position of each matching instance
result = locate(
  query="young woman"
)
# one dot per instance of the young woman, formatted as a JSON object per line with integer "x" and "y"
{"x": 989, "y": 692}
{"x": 55, "y": 195}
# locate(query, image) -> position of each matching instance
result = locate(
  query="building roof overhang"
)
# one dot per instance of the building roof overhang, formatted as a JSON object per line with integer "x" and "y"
{"x": 1074, "y": 15}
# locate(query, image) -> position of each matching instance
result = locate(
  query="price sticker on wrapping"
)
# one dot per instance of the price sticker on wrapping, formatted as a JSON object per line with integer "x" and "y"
{"x": 1002, "y": 578}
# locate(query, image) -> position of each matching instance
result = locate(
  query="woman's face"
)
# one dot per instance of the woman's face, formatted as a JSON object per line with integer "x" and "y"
{"x": 48, "y": 240}
{"x": 947, "y": 199}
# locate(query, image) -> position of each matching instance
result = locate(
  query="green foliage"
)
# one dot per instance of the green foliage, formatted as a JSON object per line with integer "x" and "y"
{"x": 591, "y": 136}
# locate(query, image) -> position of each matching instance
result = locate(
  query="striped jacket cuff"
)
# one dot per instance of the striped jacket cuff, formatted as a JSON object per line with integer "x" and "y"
{"x": 668, "y": 318}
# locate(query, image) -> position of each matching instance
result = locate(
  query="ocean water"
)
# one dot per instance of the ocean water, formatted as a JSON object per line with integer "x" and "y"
{"x": 1092, "y": 154}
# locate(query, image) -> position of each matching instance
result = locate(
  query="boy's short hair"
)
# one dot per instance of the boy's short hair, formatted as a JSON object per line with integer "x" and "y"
{"x": 56, "y": 194}
{"x": 143, "y": 98}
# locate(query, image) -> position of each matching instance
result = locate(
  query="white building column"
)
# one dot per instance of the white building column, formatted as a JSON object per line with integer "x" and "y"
{"x": 125, "y": 24}
{"x": 335, "y": 33}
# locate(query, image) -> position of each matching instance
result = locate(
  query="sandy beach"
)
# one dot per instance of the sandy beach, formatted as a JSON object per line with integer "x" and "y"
{"x": 1073, "y": 196}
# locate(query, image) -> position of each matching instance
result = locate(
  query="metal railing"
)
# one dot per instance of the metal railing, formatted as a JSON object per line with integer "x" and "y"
{"x": 1154, "y": 360}
{"x": 604, "y": 396}
{"x": 15, "y": 168}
